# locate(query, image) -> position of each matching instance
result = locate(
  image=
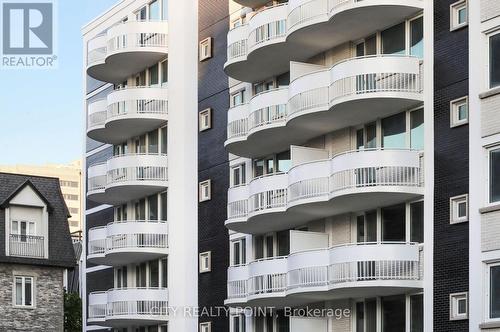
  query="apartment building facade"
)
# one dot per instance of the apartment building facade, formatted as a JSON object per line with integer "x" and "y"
{"x": 36, "y": 252}
{"x": 70, "y": 176}
{"x": 331, "y": 163}
{"x": 141, "y": 167}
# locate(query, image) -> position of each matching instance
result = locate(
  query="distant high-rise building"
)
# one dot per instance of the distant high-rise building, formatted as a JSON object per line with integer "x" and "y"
{"x": 70, "y": 178}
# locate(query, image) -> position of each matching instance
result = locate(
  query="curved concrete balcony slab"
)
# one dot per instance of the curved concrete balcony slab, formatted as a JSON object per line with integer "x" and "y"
{"x": 349, "y": 182}
{"x": 128, "y": 242}
{"x": 126, "y": 49}
{"x": 128, "y": 306}
{"x": 321, "y": 100}
{"x": 311, "y": 27}
{"x": 126, "y": 113}
{"x": 346, "y": 271}
{"x": 252, "y": 3}
{"x": 128, "y": 177}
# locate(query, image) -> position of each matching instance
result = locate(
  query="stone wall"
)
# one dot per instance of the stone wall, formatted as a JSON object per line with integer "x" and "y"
{"x": 48, "y": 311}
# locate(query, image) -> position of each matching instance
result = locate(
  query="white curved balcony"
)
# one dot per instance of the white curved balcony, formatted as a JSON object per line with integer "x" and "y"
{"x": 126, "y": 49}
{"x": 260, "y": 45}
{"x": 353, "y": 91}
{"x": 128, "y": 306}
{"x": 128, "y": 242}
{"x": 345, "y": 271}
{"x": 262, "y": 119}
{"x": 311, "y": 27}
{"x": 127, "y": 113}
{"x": 349, "y": 182}
{"x": 128, "y": 177}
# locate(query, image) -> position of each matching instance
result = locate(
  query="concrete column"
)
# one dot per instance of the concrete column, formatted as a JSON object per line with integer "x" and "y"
{"x": 183, "y": 162}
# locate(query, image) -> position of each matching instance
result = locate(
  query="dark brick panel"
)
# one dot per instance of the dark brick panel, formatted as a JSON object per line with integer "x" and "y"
{"x": 451, "y": 157}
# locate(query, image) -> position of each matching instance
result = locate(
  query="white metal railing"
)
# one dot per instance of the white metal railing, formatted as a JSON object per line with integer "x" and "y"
{"x": 26, "y": 246}
{"x": 96, "y": 56}
{"x": 312, "y": 99}
{"x": 309, "y": 188}
{"x": 138, "y": 106}
{"x": 269, "y": 199}
{"x": 96, "y": 246}
{"x": 267, "y": 31}
{"x": 330, "y": 185}
{"x": 97, "y": 310}
{"x": 237, "y": 209}
{"x": 307, "y": 12}
{"x": 115, "y": 308}
{"x": 137, "y": 308}
{"x": 331, "y": 274}
{"x": 137, "y": 39}
{"x": 98, "y": 118}
{"x": 237, "y": 128}
{"x": 137, "y": 240}
{"x": 98, "y": 182}
{"x": 237, "y": 49}
{"x": 268, "y": 115}
{"x": 136, "y": 173}
{"x": 375, "y": 176}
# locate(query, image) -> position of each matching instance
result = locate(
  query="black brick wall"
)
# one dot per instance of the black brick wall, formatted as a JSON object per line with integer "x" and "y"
{"x": 451, "y": 250}
{"x": 213, "y": 159}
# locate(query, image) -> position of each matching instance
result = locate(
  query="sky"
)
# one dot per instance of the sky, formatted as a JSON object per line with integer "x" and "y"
{"x": 41, "y": 112}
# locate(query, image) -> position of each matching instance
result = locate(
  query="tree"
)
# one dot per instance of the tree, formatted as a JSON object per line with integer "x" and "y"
{"x": 72, "y": 312}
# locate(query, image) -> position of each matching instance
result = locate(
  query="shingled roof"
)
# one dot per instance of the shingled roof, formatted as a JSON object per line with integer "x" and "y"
{"x": 61, "y": 252}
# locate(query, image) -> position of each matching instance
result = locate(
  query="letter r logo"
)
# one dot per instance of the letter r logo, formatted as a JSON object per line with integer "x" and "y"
{"x": 27, "y": 28}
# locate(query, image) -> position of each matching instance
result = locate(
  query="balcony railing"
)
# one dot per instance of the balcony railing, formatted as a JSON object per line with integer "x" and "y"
{"x": 27, "y": 246}
{"x": 328, "y": 269}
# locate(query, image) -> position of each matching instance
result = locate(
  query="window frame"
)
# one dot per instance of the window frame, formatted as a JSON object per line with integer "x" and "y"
{"x": 242, "y": 170}
{"x": 23, "y": 295}
{"x": 455, "y": 111}
{"x": 201, "y": 190}
{"x": 205, "y": 47}
{"x": 488, "y": 58}
{"x": 454, "y": 209}
{"x": 487, "y": 290}
{"x": 205, "y": 257}
{"x": 454, "y": 300}
{"x": 241, "y": 94}
{"x": 489, "y": 150}
{"x": 206, "y": 327}
{"x": 205, "y": 119}
{"x": 455, "y": 9}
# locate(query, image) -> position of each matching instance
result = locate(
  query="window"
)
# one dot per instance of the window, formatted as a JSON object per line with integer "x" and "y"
{"x": 164, "y": 206}
{"x": 394, "y": 223}
{"x": 417, "y": 222}
{"x": 417, "y": 37}
{"x": 494, "y": 173}
{"x": 70, "y": 197}
{"x": 494, "y": 291}
{"x": 394, "y": 131}
{"x": 393, "y": 40}
{"x": 239, "y": 252}
{"x": 238, "y": 175}
{"x": 459, "y": 306}
{"x": 72, "y": 184}
{"x": 205, "y": 262}
{"x": 23, "y": 291}
{"x": 205, "y": 119}
{"x": 459, "y": 209}
{"x": 459, "y": 112}
{"x": 22, "y": 229}
{"x": 495, "y": 60}
{"x": 238, "y": 323}
{"x": 205, "y": 189}
{"x": 154, "y": 74}
{"x": 164, "y": 73}
{"x": 393, "y": 313}
{"x": 417, "y": 129}
{"x": 238, "y": 98}
{"x": 205, "y": 49}
{"x": 417, "y": 313}
{"x": 458, "y": 15}
{"x": 206, "y": 327}
{"x": 164, "y": 9}
{"x": 73, "y": 210}
{"x": 366, "y": 315}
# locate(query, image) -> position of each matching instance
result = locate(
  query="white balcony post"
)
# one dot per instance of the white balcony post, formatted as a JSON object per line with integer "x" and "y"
{"x": 183, "y": 172}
